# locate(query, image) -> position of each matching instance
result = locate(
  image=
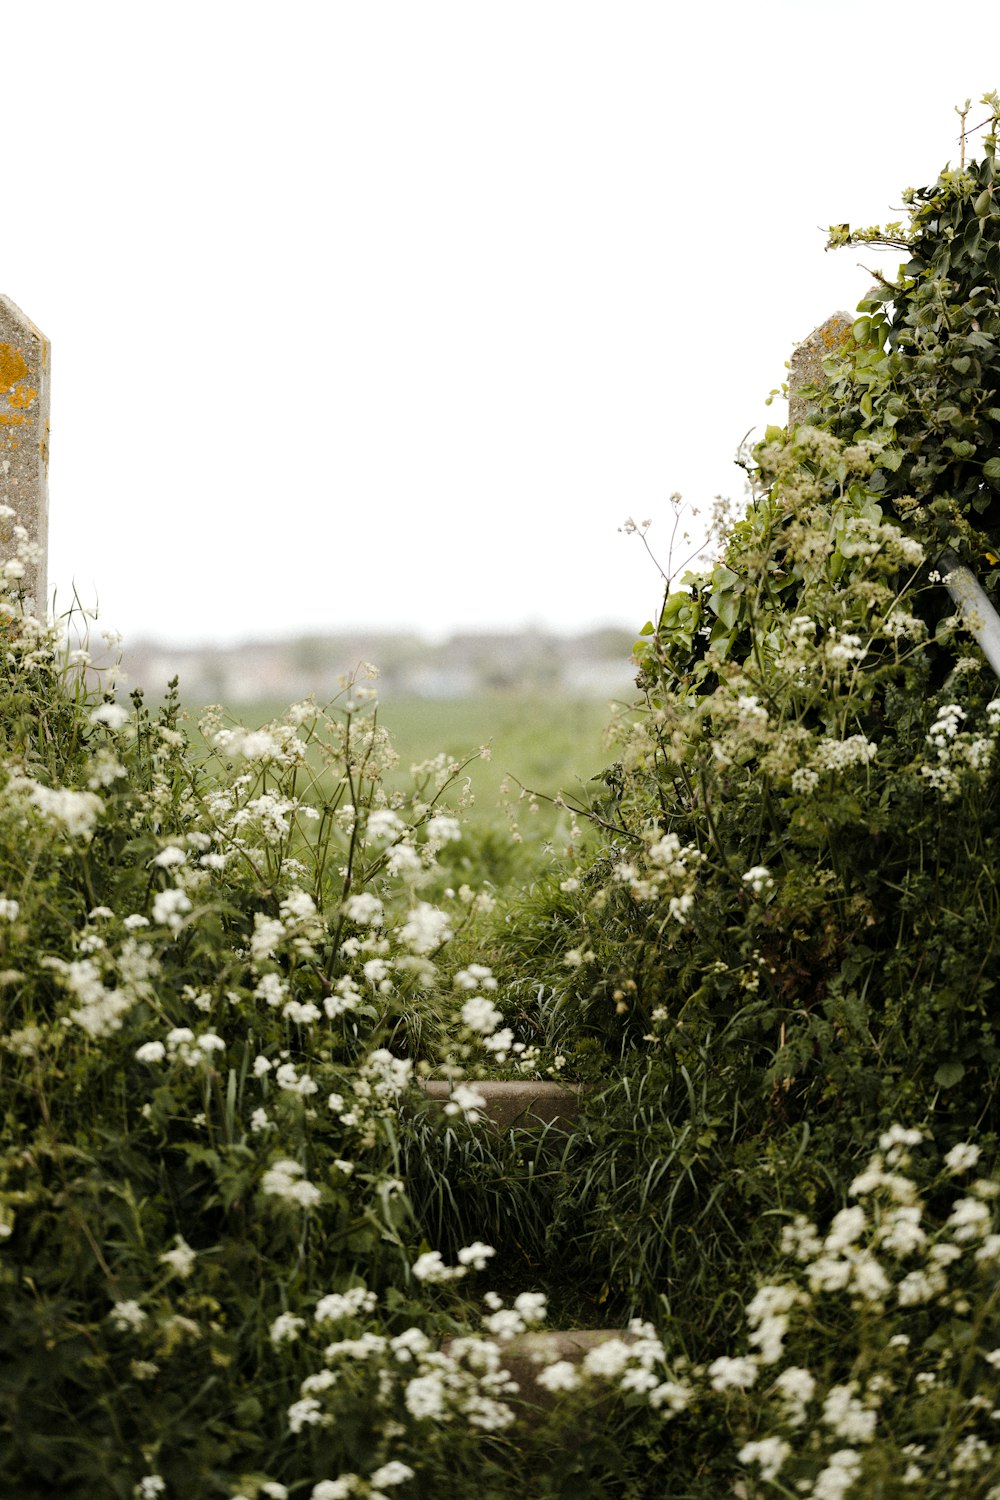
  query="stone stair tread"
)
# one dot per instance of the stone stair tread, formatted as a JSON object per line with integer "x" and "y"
{"x": 524, "y": 1102}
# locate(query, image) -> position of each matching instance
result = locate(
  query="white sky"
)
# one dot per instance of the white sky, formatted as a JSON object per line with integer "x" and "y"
{"x": 388, "y": 314}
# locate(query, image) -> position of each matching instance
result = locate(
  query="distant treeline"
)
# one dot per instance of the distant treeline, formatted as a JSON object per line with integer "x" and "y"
{"x": 595, "y": 664}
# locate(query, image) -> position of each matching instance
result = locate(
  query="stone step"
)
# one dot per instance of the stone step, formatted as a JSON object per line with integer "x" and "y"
{"x": 524, "y": 1103}
{"x": 528, "y": 1353}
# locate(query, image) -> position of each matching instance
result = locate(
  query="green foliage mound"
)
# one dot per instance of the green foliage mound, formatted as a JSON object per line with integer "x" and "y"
{"x": 799, "y": 873}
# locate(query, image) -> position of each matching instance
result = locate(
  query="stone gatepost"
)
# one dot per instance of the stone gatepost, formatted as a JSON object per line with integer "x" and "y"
{"x": 806, "y": 366}
{"x": 25, "y": 360}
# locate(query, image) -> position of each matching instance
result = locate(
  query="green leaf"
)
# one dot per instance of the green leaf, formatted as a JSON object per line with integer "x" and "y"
{"x": 949, "y": 1073}
{"x": 991, "y": 468}
{"x": 648, "y": 628}
{"x": 983, "y": 203}
{"x": 727, "y": 607}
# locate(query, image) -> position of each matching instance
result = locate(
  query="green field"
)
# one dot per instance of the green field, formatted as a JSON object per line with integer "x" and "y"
{"x": 546, "y": 745}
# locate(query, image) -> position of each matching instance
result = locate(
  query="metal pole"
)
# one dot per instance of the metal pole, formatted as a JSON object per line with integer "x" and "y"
{"x": 978, "y": 614}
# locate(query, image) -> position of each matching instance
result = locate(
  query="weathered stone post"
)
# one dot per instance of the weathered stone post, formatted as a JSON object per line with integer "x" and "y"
{"x": 807, "y": 362}
{"x": 25, "y": 360}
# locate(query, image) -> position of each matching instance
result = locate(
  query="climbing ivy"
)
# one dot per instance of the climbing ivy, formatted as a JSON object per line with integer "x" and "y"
{"x": 921, "y": 378}
{"x": 912, "y": 400}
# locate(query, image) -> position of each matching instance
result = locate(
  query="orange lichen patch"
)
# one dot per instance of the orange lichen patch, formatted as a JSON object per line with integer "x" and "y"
{"x": 22, "y": 396}
{"x": 12, "y": 366}
{"x": 836, "y": 335}
{"x": 12, "y": 418}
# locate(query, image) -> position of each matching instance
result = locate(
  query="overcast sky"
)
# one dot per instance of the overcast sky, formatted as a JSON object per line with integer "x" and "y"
{"x": 389, "y": 314}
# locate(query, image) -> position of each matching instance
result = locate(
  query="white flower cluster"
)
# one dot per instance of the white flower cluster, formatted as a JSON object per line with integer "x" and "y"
{"x": 386, "y": 1476}
{"x": 104, "y": 984}
{"x": 287, "y": 1181}
{"x": 841, "y": 649}
{"x": 430, "y": 1266}
{"x": 182, "y": 1046}
{"x": 73, "y": 814}
{"x": 899, "y": 625}
{"x": 883, "y": 1255}
{"x": 636, "y": 1364}
{"x": 838, "y": 755}
{"x": 277, "y": 743}
{"x": 463, "y": 1382}
{"x": 665, "y": 870}
{"x": 485, "y": 1020}
{"x": 466, "y": 1100}
{"x": 957, "y": 752}
{"x": 759, "y": 879}
{"x": 426, "y": 928}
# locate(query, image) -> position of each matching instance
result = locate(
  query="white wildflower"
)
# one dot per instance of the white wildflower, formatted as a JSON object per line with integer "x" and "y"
{"x": 151, "y": 1052}
{"x": 962, "y": 1158}
{"x": 287, "y": 1180}
{"x": 769, "y": 1454}
{"x": 726, "y": 1373}
{"x": 336, "y": 1306}
{"x": 561, "y": 1375}
{"x": 127, "y": 1317}
{"x": 181, "y": 1258}
{"x": 390, "y": 1474}
{"x": 425, "y": 928}
{"x": 365, "y": 909}
{"x": 481, "y": 1015}
{"x": 431, "y": 1268}
{"x": 170, "y": 907}
{"x": 466, "y": 1100}
{"x": 759, "y": 879}
{"x": 286, "y": 1328}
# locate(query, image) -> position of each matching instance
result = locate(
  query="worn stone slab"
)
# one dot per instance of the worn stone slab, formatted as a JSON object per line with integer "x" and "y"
{"x": 806, "y": 366}
{"x": 25, "y": 361}
{"x": 527, "y": 1104}
{"x": 528, "y": 1353}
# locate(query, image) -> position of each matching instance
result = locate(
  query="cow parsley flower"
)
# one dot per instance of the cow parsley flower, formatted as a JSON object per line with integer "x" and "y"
{"x": 365, "y": 909}
{"x": 759, "y": 879}
{"x": 286, "y": 1328}
{"x": 962, "y": 1158}
{"x": 336, "y": 1306}
{"x": 181, "y": 1258}
{"x": 476, "y": 1255}
{"x": 425, "y": 929}
{"x": 561, "y": 1375}
{"x": 112, "y": 715}
{"x": 127, "y": 1317}
{"x": 390, "y": 1474}
{"x": 728, "y": 1373}
{"x": 431, "y": 1268}
{"x": 170, "y": 907}
{"x": 287, "y": 1180}
{"x": 467, "y": 1101}
{"x": 769, "y": 1454}
{"x": 481, "y": 1015}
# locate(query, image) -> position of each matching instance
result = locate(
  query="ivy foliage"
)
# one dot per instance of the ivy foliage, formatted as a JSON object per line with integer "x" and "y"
{"x": 915, "y": 388}
{"x": 921, "y": 379}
